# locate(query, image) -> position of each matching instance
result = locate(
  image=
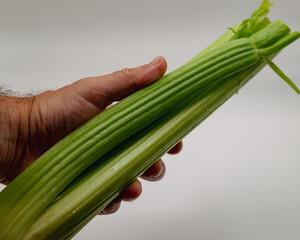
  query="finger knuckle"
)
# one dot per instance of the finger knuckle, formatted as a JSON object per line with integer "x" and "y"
{"x": 127, "y": 75}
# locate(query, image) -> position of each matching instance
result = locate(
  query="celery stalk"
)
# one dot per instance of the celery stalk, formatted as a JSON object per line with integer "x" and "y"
{"x": 104, "y": 180}
{"x": 36, "y": 190}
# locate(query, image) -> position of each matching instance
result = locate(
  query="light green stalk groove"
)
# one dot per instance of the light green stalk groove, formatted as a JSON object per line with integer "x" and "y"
{"x": 31, "y": 193}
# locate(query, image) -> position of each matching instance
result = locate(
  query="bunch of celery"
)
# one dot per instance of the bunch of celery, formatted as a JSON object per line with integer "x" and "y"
{"x": 68, "y": 185}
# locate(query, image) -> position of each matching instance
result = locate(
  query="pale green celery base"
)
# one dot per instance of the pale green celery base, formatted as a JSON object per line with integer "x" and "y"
{"x": 101, "y": 183}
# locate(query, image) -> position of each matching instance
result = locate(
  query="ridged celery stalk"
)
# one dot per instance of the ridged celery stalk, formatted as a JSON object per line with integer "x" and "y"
{"x": 104, "y": 180}
{"x": 29, "y": 195}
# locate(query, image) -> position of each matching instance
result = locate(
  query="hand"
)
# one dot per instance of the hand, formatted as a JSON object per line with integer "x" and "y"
{"x": 30, "y": 126}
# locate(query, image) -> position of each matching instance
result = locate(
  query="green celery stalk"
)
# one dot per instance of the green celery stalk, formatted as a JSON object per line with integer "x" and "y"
{"x": 105, "y": 179}
{"x": 22, "y": 201}
{"x": 29, "y": 195}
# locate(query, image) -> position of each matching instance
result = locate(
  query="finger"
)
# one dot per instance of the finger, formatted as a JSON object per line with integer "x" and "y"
{"x": 156, "y": 172}
{"x": 112, "y": 207}
{"x": 177, "y": 148}
{"x": 106, "y": 89}
{"x": 132, "y": 192}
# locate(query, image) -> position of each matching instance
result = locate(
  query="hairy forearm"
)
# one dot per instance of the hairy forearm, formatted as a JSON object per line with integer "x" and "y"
{"x": 14, "y": 127}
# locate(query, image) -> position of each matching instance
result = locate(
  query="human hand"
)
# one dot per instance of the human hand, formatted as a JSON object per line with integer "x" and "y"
{"x": 30, "y": 126}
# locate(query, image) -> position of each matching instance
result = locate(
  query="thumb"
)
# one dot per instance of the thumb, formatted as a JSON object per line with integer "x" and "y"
{"x": 103, "y": 90}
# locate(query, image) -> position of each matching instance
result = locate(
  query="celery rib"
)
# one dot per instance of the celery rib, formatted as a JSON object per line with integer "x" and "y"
{"x": 28, "y": 205}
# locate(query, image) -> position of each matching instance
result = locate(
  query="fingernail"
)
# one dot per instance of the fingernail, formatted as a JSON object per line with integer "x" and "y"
{"x": 160, "y": 175}
{"x": 116, "y": 208}
{"x": 155, "y": 61}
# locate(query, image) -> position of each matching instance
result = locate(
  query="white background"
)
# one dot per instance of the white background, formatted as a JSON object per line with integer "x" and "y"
{"x": 238, "y": 175}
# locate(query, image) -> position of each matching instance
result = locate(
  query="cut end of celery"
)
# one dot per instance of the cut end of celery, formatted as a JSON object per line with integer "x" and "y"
{"x": 279, "y": 45}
